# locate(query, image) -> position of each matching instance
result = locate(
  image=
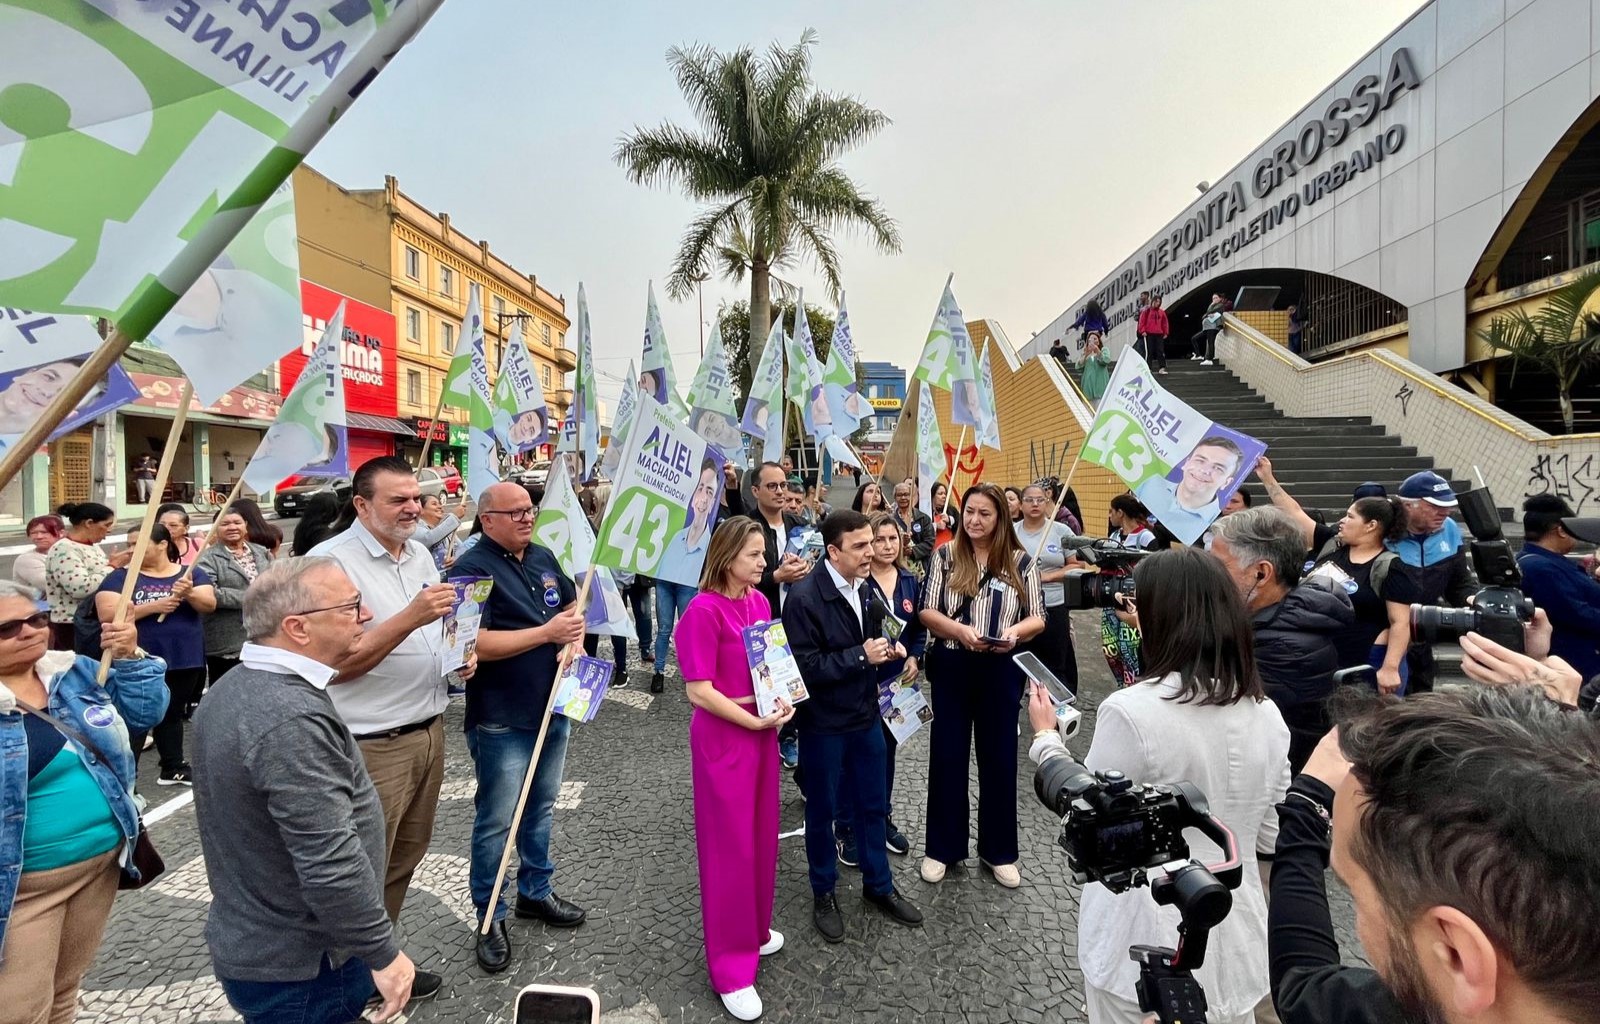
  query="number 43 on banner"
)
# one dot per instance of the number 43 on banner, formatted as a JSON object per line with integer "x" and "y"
{"x": 634, "y": 539}
{"x": 1118, "y": 443}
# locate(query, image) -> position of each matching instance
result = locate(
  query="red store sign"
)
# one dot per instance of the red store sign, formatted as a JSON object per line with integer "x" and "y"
{"x": 157, "y": 392}
{"x": 367, "y": 354}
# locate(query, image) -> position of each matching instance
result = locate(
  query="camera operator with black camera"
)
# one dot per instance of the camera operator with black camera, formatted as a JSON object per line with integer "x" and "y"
{"x": 1557, "y": 584}
{"x": 1435, "y": 554}
{"x": 1466, "y": 828}
{"x": 1199, "y": 716}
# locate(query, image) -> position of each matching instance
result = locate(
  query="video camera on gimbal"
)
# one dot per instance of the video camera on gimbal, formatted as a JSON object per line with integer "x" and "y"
{"x": 1116, "y": 832}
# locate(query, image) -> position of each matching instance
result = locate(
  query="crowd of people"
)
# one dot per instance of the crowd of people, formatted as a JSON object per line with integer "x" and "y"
{"x": 317, "y": 692}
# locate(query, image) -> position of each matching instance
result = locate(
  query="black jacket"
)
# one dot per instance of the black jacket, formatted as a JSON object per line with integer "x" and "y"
{"x": 1309, "y": 984}
{"x": 920, "y": 534}
{"x": 1296, "y": 657}
{"x": 769, "y": 586}
{"x": 827, "y": 641}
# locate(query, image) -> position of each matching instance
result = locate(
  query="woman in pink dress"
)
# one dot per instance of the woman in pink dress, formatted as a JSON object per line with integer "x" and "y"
{"x": 734, "y": 757}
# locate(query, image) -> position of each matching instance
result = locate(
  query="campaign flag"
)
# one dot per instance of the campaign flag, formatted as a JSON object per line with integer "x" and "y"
{"x": 246, "y": 304}
{"x": 457, "y": 387}
{"x": 621, "y": 422}
{"x": 146, "y": 135}
{"x": 930, "y": 448}
{"x": 29, "y": 339}
{"x": 845, "y": 402}
{"x": 805, "y": 377}
{"x": 585, "y": 393}
{"x": 1181, "y": 464}
{"x": 567, "y": 443}
{"x": 664, "y": 501}
{"x": 521, "y": 419}
{"x": 564, "y": 529}
{"x": 988, "y": 412}
{"x": 656, "y": 377}
{"x": 763, "y": 410}
{"x": 713, "y": 414}
{"x": 309, "y": 436}
{"x": 26, "y": 391}
{"x": 483, "y": 461}
{"x": 947, "y": 360}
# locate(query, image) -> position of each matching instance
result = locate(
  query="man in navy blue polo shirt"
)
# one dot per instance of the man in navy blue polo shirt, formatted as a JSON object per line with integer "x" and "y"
{"x": 529, "y": 617}
{"x": 1568, "y": 595}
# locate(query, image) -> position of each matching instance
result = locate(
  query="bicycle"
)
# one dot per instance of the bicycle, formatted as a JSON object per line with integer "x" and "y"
{"x": 208, "y": 500}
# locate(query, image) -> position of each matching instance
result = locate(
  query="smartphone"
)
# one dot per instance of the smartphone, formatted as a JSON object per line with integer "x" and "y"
{"x": 1361, "y": 675}
{"x": 1034, "y": 669}
{"x": 556, "y": 1004}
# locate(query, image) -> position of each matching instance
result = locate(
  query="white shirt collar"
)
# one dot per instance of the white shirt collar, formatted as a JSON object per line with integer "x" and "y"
{"x": 848, "y": 586}
{"x": 375, "y": 547}
{"x": 286, "y": 663}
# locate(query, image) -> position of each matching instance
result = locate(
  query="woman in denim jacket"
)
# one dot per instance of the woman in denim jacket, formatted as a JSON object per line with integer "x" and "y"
{"x": 69, "y": 821}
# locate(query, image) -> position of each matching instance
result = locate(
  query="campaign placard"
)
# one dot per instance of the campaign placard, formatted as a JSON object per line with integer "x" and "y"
{"x": 461, "y": 622}
{"x": 579, "y": 691}
{"x": 773, "y": 670}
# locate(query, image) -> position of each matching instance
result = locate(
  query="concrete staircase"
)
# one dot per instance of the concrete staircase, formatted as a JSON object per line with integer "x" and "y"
{"x": 1320, "y": 460}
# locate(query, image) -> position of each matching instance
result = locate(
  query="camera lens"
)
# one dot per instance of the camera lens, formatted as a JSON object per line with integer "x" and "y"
{"x": 1432, "y": 624}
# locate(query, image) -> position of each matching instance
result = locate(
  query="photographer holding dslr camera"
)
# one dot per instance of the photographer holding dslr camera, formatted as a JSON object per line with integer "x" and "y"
{"x": 1198, "y": 718}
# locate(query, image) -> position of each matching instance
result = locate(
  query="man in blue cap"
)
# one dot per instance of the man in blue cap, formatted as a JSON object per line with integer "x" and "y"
{"x": 1568, "y": 595}
{"x": 1436, "y": 554}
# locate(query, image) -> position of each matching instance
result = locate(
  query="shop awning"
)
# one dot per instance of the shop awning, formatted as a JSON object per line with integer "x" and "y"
{"x": 382, "y": 424}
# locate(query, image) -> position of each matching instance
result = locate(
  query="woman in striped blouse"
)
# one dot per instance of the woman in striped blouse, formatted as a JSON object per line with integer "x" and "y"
{"x": 982, "y": 599}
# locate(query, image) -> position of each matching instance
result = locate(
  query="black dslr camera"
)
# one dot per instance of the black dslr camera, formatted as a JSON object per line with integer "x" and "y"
{"x": 1100, "y": 590}
{"x": 1115, "y": 831}
{"x": 1499, "y": 610}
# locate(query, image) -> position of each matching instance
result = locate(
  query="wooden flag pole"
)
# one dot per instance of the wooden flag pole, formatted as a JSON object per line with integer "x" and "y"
{"x": 99, "y": 363}
{"x": 211, "y": 534}
{"x": 152, "y": 507}
{"x": 955, "y": 465}
{"x": 533, "y": 764}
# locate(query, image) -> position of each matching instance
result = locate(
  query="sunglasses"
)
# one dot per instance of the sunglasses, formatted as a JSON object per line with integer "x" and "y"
{"x": 10, "y": 629}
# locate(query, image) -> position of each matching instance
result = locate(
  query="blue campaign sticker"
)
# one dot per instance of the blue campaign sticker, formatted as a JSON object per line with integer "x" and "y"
{"x": 1052, "y": 548}
{"x": 101, "y": 716}
{"x": 552, "y": 597}
{"x": 1350, "y": 586}
{"x": 916, "y": 527}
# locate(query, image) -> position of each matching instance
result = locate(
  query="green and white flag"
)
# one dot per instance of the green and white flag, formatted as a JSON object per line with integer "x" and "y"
{"x": 713, "y": 414}
{"x": 483, "y": 460}
{"x": 947, "y": 360}
{"x": 664, "y": 501}
{"x": 621, "y": 421}
{"x": 309, "y": 436}
{"x": 29, "y": 339}
{"x": 521, "y": 419}
{"x": 564, "y": 529}
{"x": 845, "y": 402}
{"x": 140, "y": 138}
{"x": 457, "y": 387}
{"x": 988, "y": 412}
{"x": 805, "y": 377}
{"x": 930, "y": 448}
{"x": 246, "y": 304}
{"x": 656, "y": 377}
{"x": 586, "y": 393}
{"x": 763, "y": 410}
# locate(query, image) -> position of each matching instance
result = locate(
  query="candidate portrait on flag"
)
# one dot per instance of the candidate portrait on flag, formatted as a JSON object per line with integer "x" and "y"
{"x": 1191, "y": 496}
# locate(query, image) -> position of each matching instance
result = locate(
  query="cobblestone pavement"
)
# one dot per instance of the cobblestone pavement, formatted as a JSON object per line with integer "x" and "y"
{"x": 624, "y": 844}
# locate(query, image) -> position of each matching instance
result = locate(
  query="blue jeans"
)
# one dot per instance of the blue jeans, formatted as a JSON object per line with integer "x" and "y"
{"x": 639, "y": 601}
{"x": 336, "y": 995}
{"x": 500, "y": 755}
{"x": 671, "y": 600}
{"x": 858, "y": 758}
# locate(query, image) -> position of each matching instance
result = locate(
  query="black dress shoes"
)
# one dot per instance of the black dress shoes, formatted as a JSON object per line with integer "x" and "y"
{"x": 896, "y": 906}
{"x": 494, "y": 949}
{"x": 552, "y": 910}
{"x": 825, "y": 914}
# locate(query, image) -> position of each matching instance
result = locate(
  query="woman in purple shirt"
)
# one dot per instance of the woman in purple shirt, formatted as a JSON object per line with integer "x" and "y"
{"x": 734, "y": 762}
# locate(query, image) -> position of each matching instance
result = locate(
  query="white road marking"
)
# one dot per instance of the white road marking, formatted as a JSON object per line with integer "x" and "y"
{"x": 632, "y": 698}
{"x": 170, "y": 808}
{"x": 568, "y": 799}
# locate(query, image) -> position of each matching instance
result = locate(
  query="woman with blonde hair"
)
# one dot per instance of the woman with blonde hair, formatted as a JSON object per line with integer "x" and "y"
{"x": 982, "y": 598}
{"x": 734, "y": 763}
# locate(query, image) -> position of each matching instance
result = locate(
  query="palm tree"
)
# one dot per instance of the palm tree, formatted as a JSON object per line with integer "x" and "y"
{"x": 1558, "y": 338}
{"x": 763, "y": 160}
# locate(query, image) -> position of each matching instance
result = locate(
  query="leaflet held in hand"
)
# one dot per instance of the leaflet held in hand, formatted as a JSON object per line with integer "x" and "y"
{"x": 903, "y": 707}
{"x": 578, "y": 693}
{"x": 461, "y": 622}
{"x": 773, "y": 670}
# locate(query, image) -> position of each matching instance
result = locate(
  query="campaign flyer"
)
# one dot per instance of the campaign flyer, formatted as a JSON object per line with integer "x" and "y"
{"x": 903, "y": 707}
{"x": 461, "y": 622}
{"x": 773, "y": 670}
{"x": 578, "y": 693}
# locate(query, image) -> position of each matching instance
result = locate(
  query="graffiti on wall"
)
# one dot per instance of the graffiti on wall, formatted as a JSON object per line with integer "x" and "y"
{"x": 969, "y": 467}
{"x": 1046, "y": 460}
{"x": 1573, "y": 479}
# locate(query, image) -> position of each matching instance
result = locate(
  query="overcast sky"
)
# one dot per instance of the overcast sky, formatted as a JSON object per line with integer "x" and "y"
{"x": 1033, "y": 144}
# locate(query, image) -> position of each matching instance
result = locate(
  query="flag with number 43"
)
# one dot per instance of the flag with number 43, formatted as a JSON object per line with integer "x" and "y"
{"x": 664, "y": 501}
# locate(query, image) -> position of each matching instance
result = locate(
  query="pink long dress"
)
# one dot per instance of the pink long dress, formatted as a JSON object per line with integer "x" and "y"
{"x": 735, "y": 774}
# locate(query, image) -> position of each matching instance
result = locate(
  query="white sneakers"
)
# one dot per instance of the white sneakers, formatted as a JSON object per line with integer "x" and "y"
{"x": 774, "y": 943}
{"x": 743, "y": 1004}
{"x": 1006, "y": 874}
{"x": 932, "y": 870}
{"x": 1205, "y": 362}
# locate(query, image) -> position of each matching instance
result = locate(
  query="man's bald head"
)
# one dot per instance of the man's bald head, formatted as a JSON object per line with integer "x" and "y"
{"x": 507, "y": 514}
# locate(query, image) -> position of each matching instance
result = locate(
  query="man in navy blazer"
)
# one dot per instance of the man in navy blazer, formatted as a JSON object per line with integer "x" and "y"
{"x": 836, "y": 636}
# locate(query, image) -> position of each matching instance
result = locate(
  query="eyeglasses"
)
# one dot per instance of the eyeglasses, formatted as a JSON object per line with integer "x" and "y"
{"x": 354, "y": 605}
{"x": 10, "y": 629}
{"x": 1035, "y": 500}
{"x": 778, "y": 485}
{"x": 517, "y": 515}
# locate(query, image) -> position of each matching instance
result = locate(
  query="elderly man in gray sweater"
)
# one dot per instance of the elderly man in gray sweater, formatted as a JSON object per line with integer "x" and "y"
{"x": 290, "y": 824}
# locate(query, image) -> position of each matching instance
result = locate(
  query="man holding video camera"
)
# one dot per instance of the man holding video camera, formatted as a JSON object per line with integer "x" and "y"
{"x": 1435, "y": 555}
{"x": 1555, "y": 583}
{"x": 1463, "y": 824}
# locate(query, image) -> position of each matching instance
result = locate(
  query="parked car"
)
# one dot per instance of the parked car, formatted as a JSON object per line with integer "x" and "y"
{"x": 536, "y": 475}
{"x": 290, "y": 501}
{"x": 452, "y": 479}
{"x": 432, "y": 481}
